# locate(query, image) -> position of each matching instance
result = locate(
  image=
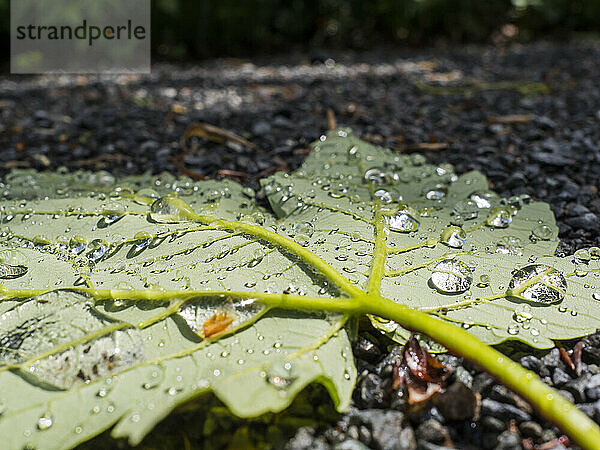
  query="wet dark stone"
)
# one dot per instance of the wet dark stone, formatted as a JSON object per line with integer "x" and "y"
{"x": 458, "y": 402}
{"x": 552, "y": 359}
{"x": 305, "y": 440}
{"x": 367, "y": 350}
{"x": 433, "y": 431}
{"x": 577, "y": 387}
{"x": 502, "y": 411}
{"x": 592, "y": 388}
{"x": 530, "y": 362}
{"x": 482, "y": 382}
{"x": 591, "y": 351}
{"x": 588, "y": 222}
{"x": 350, "y": 444}
{"x": 509, "y": 440}
{"x": 370, "y": 391}
{"x": 531, "y": 430}
{"x": 493, "y": 424}
{"x": 560, "y": 377}
{"x": 386, "y": 428}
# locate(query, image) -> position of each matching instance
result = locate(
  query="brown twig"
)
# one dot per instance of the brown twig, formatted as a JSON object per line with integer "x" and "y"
{"x": 331, "y": 122}
{"x": 213, "y": 134}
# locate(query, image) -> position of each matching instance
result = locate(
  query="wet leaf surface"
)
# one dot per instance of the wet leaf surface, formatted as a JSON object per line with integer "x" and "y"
{"x": 124, "y": 298}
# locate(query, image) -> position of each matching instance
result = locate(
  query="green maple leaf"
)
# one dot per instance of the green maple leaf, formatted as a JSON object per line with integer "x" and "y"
{"x": 123, "y": 299}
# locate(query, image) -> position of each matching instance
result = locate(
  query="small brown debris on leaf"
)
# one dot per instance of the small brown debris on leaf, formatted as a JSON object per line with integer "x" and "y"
{"x": 214, "y": 134}
{"x": 217, "y": 323}
{"x": 421, "y": 374}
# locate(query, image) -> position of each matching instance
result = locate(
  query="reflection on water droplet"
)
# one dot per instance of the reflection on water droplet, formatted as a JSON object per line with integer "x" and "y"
{"x": 98, "y": 249}
{"x": 538, "y": 283}
{"x": 376, "y": 175}
{"x": 402, "y": 221}
{"x": 451, "y": 276}
{"x": 45, "y": 422}
{"x": 383, "y": 196}
{"x": 483, "y": 199}
{"x": 142, "y": 240}
{"x": 498, "y": 218}
{"x": 281, "y": 374}
{"x": 454, "y": 237}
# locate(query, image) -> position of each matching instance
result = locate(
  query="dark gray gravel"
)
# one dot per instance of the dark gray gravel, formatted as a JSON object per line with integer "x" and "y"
{"x": 134, "y": 124}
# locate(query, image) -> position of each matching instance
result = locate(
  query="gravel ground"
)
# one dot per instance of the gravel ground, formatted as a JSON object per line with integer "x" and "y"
{"x": 487, "y": 111}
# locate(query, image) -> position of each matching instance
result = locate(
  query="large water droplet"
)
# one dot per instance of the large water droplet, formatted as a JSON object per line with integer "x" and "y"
{"x": 98, "y": 249}
{"x": 451, "y": 276}
{"x": 376, "y": 175}
{"x": 538, "y": 283}
{"x": 171, "y": 209}
{"x": 467, "y": 209}
{"x": 303, "y": 232}
{"x": 498, "y": 218}
{"x": 212, "y": 316}
{"x": 454, "y": 237}
{"x": 402, "y": 221}
{"x": 78, "y": 244}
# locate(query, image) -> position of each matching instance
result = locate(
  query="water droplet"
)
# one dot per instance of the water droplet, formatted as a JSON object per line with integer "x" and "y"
{"x": 509, "y": 245}
{"x": 98, "y": 249}
{"x": 377, "y": 175}
{"x": 541, "y": 232}
{"x": 384, "y": 196}
{"x": 498, "y": 218}
{"x": 8, "y": 271}
{"x": 467, "y": 209}
{"x": 45, "y": 422}
{"x": 454, "y": 237}
{"x": 78, "y": 244}
{"x": 522, "y": 313}
{"x": 303, "y": 232}
{"x": 538, "y": 283}
{"x": 513, "y": 329}
{"x": 451, "y": 276}
{"x": 596, "y": 296}
{"x": 483, "y": 199}
{"x": 484, "y": 281}
{"x": 401, "y": 221}
{"x": 582, "y": 255}
{"x": 142, "y": 240}
{"x": 171, "y": 209}
{"x": 281, "y": 375}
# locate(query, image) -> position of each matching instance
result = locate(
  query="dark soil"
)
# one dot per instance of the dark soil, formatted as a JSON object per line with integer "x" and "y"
{"x": 487, "y": 106}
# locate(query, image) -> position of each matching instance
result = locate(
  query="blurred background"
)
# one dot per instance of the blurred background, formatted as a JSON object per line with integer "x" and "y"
{"x": 194, "y": 29}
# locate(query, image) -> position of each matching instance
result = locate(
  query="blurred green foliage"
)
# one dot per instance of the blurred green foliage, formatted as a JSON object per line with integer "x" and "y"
{"x": 204, "y": 28}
